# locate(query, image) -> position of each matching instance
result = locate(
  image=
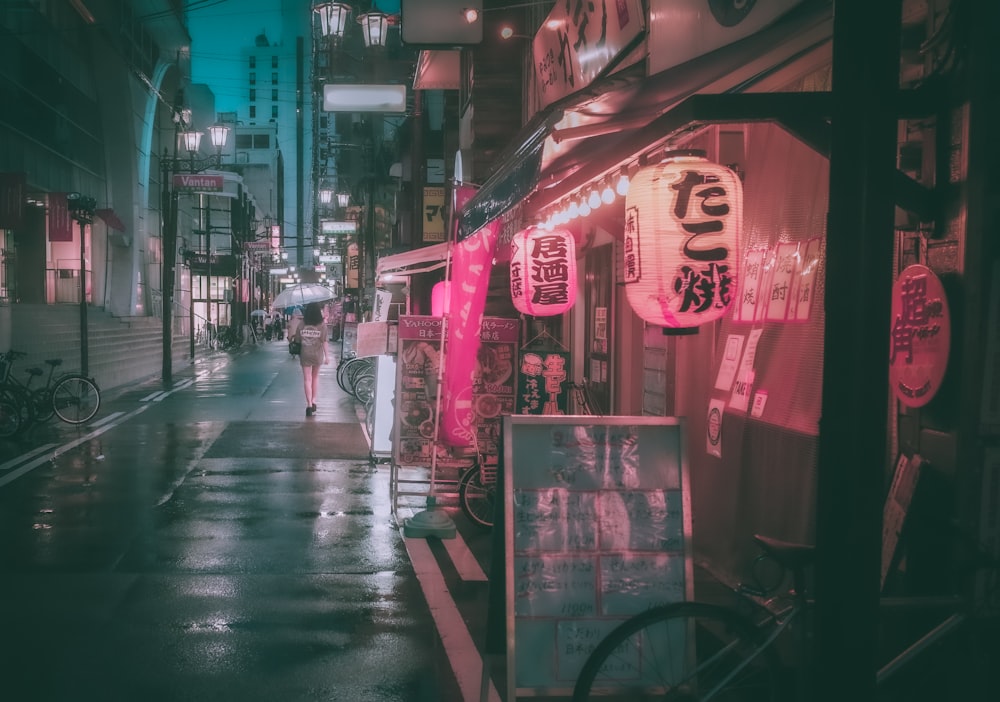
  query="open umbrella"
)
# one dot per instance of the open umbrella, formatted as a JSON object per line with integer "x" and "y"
{"x": 259, "y": 313}
{"x": 302, "y": 294}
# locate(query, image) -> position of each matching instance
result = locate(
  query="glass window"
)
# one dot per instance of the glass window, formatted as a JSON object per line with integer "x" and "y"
{"x": 253, "y": 62}
{"x": 274, "y": 62}
{"x": 274, "y": 78}
{"x": 253, "y": 94}
{"x": 253, "y": 111}
{"x": 274, "y": 94}
{"x": 274, "y": 112}
{"x": 253, "y": 78}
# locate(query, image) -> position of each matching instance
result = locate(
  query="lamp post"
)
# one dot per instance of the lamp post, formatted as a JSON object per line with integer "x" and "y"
{"x": 176, "y": 168}
{"x": 81, "y": 209}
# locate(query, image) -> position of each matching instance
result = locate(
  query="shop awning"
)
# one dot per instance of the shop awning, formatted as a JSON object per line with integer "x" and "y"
{"x": 423, "y": 260}
{"x": 618, "y": 115}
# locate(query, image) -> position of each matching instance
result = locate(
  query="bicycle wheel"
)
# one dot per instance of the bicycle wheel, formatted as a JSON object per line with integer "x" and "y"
{"x": 688, "y": 652}
{"x": 20, "y": 399}
{"x": 41, "y": 401}
{"x": 476, "y": 497}
{"x": 10, "y": 418}
{"x": 364, "y": 387}
{"x": 342, "y": 373}
{"x": 75, "y": 399}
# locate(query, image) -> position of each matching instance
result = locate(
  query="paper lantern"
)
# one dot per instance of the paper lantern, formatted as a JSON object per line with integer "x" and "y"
{"x": 683, "y": 219}
{"x": 440, "y": 297}
{"x": 543, "y": 271}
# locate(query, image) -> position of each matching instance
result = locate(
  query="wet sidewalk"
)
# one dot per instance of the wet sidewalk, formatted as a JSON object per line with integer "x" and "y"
{"x": 208, "y": 541}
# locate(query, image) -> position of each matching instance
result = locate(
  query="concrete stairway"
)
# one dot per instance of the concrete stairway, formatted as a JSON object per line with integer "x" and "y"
{"x": 120, "y": 350}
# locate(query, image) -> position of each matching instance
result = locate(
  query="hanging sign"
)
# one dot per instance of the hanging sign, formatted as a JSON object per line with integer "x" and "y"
{"x": 920, "y": 337}
{"x": 540, "y": 382}
{"x": 353, "y": 266}
{"x": 682, "y": 240}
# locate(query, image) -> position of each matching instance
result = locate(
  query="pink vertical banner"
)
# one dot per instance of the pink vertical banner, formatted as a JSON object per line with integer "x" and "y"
{"x": 471, "y": 262}
{"x": 60, "y": 223}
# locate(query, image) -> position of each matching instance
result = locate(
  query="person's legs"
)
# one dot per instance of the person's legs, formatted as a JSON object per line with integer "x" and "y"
{"x": 315, "y": 385}
{"x": 307, "y": 385}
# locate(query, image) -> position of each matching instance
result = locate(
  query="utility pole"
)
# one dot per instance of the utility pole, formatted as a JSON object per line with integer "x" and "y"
{"x": 81, "y": 209}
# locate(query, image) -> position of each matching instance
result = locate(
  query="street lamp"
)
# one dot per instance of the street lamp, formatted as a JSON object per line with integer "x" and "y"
{"x": 174, "y": 172}
{"x": 81, "y": 209}
{"x": 332, "y": 19}
{"x": 374, "y": 27}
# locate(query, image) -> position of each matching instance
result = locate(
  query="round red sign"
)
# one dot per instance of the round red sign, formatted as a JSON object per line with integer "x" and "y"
{"x": 920, "y": 336}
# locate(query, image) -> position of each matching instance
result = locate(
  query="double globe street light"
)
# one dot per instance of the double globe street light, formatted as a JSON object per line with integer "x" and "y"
{"x": 176, "y": 172}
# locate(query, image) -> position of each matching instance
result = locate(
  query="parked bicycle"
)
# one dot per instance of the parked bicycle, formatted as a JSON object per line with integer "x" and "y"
{"x": 73, "y": 397}
{"x": 477, "y": 490}
{"x": 356, "y": 377}
{"x": 695, "y": 651}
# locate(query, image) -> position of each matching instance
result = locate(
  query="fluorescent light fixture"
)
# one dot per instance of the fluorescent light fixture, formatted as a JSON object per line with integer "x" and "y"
{"x": 332, "y": 226}
{"x": 340, "y": 97}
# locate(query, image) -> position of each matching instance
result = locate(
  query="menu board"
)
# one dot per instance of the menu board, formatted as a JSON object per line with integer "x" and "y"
{"x": 418, "y": 365}
{"x": 597, "y": 529}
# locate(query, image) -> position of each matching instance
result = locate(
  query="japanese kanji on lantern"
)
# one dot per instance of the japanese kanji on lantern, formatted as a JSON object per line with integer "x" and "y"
{"x": 683, "y": 218}
{"x": 542, "y": 271}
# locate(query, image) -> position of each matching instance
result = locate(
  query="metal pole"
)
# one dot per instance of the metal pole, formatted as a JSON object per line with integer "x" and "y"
{"x": 84, "y": 360}
{"x": 853, "y": 426}
{"x": 169, "y": 215}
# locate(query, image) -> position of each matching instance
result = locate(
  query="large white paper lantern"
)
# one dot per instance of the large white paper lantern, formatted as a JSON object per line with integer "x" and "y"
{"x": 543, "y": 271}
{"x": 683, "y": 219}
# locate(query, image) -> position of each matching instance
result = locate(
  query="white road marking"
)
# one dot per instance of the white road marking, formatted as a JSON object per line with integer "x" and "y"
{"x": 24, "y": 457}
{"x": 463, "y": 655}
{"x": 465, "y": 563}
{"x": 47, "y": 456}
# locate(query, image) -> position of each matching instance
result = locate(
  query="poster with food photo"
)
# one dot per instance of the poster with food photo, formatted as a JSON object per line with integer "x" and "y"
{"x": 418, "y": 366}
{"x": 493, "y": 386}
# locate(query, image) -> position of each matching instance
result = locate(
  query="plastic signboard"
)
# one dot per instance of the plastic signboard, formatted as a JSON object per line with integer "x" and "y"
{"x": 596, "y": 529}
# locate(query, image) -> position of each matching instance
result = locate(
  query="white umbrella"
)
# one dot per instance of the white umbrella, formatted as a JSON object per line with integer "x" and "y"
{"x": 259, "y": 313}
{"x": 301, "y": 294}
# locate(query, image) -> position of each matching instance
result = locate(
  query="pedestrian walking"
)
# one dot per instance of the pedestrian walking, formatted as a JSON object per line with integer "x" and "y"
{"x": 312, "y": 334}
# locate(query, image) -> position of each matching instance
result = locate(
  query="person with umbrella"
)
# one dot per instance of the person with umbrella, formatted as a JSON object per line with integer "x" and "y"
{"x": 312, "y": 335}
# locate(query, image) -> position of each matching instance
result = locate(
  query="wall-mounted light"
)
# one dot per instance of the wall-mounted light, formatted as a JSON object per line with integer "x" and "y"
{"x": 325, "y": 196}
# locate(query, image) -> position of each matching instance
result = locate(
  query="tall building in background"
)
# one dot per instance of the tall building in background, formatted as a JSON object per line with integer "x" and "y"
{"x": 263, "y": 83}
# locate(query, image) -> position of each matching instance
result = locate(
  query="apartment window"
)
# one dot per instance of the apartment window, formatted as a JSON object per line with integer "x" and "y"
{"x": 274, "y": 112}
{"x": 253, "y": 62}
{"x": 274, "y": 78}
{"x": 274, "y": 62}
{"x": 253, "y": 112}
{"x": 253, "y": 94}
{"x": 274, "y": 94}
{"x": 253, "y": 78}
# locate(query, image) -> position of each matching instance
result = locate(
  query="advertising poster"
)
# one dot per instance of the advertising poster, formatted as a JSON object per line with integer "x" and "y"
{"x": 493, "y": 385}
{"x": 418, "y": 365}
{"x": 540, "y": 382}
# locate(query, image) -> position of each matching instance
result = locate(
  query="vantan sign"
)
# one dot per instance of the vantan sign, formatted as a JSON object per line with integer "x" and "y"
{"x": 198, "y": 182}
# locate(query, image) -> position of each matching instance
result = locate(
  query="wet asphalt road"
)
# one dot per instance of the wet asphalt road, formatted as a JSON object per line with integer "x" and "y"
{"x": 211, "y": 544}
